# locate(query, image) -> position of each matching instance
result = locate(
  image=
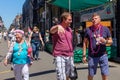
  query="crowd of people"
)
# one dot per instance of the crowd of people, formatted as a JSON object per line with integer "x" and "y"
{"x": 23, "y": 52}
{"x": 3, "y": 35}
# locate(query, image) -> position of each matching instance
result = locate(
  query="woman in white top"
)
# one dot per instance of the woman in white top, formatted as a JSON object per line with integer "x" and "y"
{"x": 0, "y": 36}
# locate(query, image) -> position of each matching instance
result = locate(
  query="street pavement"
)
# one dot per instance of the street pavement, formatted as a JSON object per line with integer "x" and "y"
{"x": 44, "y": 69}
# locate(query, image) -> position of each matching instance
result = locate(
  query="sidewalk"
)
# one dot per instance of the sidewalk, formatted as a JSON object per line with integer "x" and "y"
{"x": 44, "y": 69}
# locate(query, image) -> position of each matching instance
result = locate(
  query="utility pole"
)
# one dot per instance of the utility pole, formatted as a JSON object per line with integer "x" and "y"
{"x": 69, "y": 5}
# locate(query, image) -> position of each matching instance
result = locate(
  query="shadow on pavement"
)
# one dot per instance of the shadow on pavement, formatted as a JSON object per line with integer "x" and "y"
{"x": 10, "y": 79}
{"x": 82, "y": 68}
{"x": 42, "y": 73}
{"x": 52, "y": 71}
{"x": 36, "y": 74}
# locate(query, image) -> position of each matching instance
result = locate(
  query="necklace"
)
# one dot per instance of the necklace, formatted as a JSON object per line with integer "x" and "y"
{"x": 95, "y": 35}
{"x": 20, "y": 49}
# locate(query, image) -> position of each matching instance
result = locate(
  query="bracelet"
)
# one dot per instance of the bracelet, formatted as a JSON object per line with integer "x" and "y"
{"x": 84, "y": 56}
{"x": 106, "y": 41}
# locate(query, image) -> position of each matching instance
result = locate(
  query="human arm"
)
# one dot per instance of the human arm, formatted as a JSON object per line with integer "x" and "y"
{"x": 9, "y": 54}
{"x": 41, "y": 39}
{"x": 29, "y": 39}
{"x": 57, "y": 28}
{"x": 108, "y": 39}
{"x": 8, "y": 43}
{"x": 54, "y": 29}
{"x": 84, "y": 50}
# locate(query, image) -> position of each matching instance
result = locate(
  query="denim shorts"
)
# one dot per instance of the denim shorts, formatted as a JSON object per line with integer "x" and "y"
{"x": 93, "y": 65}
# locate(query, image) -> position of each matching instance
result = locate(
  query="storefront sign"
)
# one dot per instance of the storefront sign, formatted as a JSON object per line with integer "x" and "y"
{"x": 105, "y": 11}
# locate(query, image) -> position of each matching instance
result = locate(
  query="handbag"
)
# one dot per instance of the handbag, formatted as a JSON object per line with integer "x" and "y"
{"x": 29, "y": 51}
{"x": 73, "y": 73}
{"x": 30, "y": 59}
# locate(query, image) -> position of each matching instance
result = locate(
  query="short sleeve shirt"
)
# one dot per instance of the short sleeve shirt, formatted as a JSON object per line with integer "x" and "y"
{"x": 62, "y": 43}
{"x": 96, "y": 50}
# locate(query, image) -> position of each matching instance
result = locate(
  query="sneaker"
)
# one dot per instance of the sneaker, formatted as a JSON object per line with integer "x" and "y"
{"x": 37, "y": 59}
{"x": 11, "y": 68}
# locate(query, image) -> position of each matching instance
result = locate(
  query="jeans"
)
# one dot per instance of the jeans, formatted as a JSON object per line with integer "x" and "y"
{"x": 35, "y": 48}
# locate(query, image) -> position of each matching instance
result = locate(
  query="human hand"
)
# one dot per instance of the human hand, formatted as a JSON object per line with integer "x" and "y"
{"x": 5, "y": 62}
{"x": 84, "y": 60}
{"x": 43, "y": 44}
{"x": 61, "y": 29}
{"x": 102, "y": 40}
{"x": 30, "y": 64}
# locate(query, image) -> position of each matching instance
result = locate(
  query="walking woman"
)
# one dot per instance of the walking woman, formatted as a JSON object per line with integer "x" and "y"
{"x": 35, "y": 39}
{"x": 0, "y": 36}
{"x": 19, "y": 53}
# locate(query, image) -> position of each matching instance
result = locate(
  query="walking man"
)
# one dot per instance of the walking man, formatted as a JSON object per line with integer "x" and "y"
{"x": 62, "y": 46}
{"x": 98, "y": 36}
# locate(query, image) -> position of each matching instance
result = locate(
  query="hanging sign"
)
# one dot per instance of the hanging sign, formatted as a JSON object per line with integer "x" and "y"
{"x": 105, "y": 11}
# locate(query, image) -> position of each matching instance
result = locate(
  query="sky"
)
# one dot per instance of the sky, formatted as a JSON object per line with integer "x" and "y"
{"x": 9, "y": 9}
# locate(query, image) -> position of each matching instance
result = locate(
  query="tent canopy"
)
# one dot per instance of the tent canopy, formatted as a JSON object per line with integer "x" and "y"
{"x": 78, "y": 5}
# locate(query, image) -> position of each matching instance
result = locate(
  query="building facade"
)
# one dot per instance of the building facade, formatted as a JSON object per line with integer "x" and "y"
{"x": 41, "y": 13}
{"x": 27, "y": 13}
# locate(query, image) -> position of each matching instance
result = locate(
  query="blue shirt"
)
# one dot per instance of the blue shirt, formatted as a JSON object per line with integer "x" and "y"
{"x": 90, "y": 35}
{"x": 20, "y": 53}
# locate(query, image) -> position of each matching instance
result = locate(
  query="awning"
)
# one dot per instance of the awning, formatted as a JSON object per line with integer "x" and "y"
{"x": 78, "y": 5}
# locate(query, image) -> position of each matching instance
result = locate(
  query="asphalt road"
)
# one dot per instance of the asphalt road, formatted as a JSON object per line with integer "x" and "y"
{"x": 44, "y": 69}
